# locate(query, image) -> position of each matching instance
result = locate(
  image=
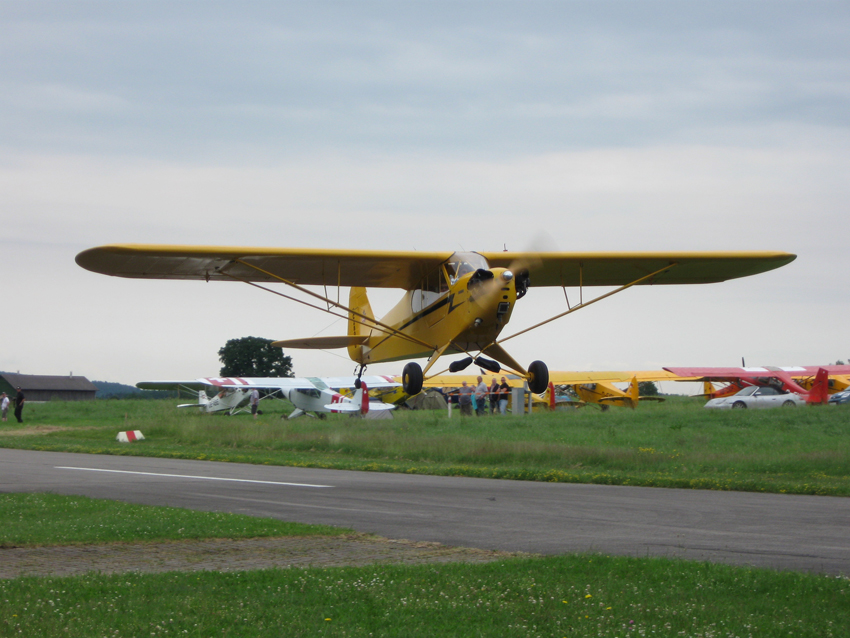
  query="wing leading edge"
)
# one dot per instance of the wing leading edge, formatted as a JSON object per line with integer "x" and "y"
{"x": 405, "y": 269}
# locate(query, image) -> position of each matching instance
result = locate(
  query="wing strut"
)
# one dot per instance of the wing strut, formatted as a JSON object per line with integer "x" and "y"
{"x": 582, "y": 303}
{"x": 363, "y": 319}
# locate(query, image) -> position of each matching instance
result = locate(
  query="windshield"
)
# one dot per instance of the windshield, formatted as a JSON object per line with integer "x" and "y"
{"x": 747, "y": 391}
{"x": 461, "y": 264}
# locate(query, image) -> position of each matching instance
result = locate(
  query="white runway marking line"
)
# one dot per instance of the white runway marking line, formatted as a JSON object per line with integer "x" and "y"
{"x": 189, "y": 476}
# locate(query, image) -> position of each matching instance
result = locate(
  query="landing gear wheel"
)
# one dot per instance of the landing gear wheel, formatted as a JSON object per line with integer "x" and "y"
{"x": 359, "y": 373}
{"x": 539, "y": 377}
{"x": 411, "y": 379}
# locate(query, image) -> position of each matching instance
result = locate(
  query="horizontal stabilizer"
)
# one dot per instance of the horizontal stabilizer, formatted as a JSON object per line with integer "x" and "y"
{"x": 354, "y": 407}
{"x": 343, "y": 407}
{"x": 191, "y": 405}
{"x": 322, "y": 343}
{"x": 374, "y": 405}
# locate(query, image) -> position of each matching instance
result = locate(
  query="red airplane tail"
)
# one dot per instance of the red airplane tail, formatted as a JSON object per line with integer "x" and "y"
{"x": 820, "y": 388}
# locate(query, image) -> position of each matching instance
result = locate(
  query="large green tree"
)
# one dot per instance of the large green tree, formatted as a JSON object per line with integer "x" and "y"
{"x": 253, "y": 357}
{"x": 648, "y": 389}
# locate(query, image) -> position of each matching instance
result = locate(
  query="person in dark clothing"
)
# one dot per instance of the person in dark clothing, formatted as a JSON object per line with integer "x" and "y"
{"x": 494, "y": 396}
{"x": 464, "y": 399}
{"x": 20, "y": 399}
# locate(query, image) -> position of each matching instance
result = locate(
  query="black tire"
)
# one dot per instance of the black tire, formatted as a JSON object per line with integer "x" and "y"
{"x": 411, "y": 379}
{"x": 789, "y": 404}
{"x": 539, "y": 380}
{"x": 739, "y": 405}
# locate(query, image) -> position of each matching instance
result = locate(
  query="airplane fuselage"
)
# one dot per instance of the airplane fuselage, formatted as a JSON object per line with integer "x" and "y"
{"x": 466, "y": 312}
{"x": 604, "y": 394}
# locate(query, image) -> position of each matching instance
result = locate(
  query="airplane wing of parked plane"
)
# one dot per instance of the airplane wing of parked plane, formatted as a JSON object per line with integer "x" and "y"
{"x": 270, "y": 383}
{"x": 765, "y": 372}
{"x": 556, "y": 377}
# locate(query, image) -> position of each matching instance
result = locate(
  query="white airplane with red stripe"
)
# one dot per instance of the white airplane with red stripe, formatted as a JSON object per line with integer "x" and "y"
{"x": 316, "y": 395}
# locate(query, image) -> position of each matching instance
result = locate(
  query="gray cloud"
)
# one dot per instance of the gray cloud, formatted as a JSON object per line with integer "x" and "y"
{"x": 185, "y": 79}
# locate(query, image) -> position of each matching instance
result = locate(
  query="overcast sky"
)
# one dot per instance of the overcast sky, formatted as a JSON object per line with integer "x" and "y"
{"x": 573, "y": 126}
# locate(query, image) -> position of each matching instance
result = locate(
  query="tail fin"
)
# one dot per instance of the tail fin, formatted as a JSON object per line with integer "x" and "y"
{"x": 202, "y": 398}
{"x": 358, "y": 324}
{"x": 820, "y": 388}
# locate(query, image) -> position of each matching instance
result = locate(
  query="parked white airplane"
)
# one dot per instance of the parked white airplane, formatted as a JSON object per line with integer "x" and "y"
{"x": 307, "y": 394}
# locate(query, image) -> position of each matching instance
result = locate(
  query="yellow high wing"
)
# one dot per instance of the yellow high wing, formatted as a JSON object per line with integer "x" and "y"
{"x": 405, "y": 269}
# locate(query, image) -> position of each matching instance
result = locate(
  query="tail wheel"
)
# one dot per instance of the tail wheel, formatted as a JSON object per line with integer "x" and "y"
{"x": 411, "y": 379}
{"x": 538, "y": 377}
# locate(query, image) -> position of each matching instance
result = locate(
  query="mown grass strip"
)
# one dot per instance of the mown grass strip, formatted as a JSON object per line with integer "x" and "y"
{"x": 53, "y": 519}
{"x": 579, "y": 596}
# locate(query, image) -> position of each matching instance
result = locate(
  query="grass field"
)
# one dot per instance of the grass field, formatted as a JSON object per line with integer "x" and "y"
{"x": 53, "y": 519}
{"x": 579, "y": 595}
{"x": 671, "y": 444}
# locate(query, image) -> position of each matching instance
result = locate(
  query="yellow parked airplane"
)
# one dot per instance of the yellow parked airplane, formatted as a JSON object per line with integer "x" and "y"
{"x": 589, "y": 387}
{"x": 454, "y": 302}
{"x": 605, "y": 393}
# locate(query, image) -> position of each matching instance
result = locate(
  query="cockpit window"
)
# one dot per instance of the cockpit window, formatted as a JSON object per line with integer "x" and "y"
{"x": 461, "y": 264}
{"x": 430, "y": 289}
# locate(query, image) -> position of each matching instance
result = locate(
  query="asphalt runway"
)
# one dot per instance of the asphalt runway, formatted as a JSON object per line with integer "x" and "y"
{"x": 805, "y": 533}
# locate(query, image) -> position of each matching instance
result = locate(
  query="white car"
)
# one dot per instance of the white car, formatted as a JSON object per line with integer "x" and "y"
{"x": 758, "y": 397}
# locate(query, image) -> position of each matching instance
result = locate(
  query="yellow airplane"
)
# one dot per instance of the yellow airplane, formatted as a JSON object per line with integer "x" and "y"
{"x": 837, "y": 382}
{"x": 599, "y": 388}
{"x": 454, "y": 303}
{"x": 606, "y": 393}
{"x": 589, "y": 387}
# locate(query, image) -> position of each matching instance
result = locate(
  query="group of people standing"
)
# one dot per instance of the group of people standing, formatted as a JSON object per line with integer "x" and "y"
{"x": 19, "y": 405}
{"x": 476, "y": 399}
